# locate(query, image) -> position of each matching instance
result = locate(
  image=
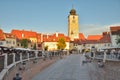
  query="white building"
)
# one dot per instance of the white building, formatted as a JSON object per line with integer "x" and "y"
{"x": 114, "y": 34}
{"x": 50, "y": 40}
{"x": 97, "y": 41}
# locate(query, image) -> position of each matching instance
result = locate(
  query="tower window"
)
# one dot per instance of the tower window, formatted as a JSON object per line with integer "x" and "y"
{"x": 73, "y": 21}
{"x": 73, "y": 17}
{"x": 71, "y": 32}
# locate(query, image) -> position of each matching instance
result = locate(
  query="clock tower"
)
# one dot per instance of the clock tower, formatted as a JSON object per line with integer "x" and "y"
{"x": 73, "y": 26}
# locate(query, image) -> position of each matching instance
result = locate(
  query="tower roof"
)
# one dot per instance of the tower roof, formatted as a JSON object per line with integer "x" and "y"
{"x": 73, "y": 11}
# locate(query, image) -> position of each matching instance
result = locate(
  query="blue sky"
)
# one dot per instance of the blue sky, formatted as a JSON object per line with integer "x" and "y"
{"x": 48, "y": 16}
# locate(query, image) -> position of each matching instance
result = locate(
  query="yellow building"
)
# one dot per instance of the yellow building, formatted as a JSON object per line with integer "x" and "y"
{"x": 73, "y": 26}
{"x": 53, "y": 45}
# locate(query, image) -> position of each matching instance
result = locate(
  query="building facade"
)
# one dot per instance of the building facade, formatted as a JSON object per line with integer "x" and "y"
{"x": 50, "y": 40}
{"x": 7, "y": 39}
{"x": 10, "y": 40}
{"x": 2, "y": 39}
{"x": 31, "y": 36}
{"x": 97, "y": 41}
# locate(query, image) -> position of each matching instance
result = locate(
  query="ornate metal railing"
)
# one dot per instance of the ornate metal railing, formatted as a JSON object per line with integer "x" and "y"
{"x": 10, "y": 57}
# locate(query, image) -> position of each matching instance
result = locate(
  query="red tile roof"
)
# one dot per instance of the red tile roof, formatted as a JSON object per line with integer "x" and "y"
{"x": 9, "y": 35}
{"x": 54, "y": 37}
{"x": 24, "y": 34}
{"x": 81, "y": 36}
{"x": 105, "y": 39}
{"x": 114, "y": 28}
{"x": 46, "y": 38}
{"x": 94, "y": 37}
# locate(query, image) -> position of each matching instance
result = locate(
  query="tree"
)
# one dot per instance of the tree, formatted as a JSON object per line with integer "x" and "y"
{"x": 34, "y": 47}
{"x": 61, "y": 44}
{"x": 118, "y": 40}
{"x": 46, "y": 48}
{"x": 24, "y": 43}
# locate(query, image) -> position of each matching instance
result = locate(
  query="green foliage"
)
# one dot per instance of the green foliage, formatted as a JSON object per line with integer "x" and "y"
{"x": 34, "y": 47}
{"x": 46, "y": 48}
{"x": 24, "y": 43}
{"x": 118, "y": 40}
{"x": 61, "y": 44}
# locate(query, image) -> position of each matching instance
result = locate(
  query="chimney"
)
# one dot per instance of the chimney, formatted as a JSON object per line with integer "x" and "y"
{"x": 22, "y": 35}
{"x": 56, "y": 34}
{"x": 47, "y": 35}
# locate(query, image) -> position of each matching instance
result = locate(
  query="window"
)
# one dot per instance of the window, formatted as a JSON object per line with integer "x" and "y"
{"x": 13, "y": 42}
{"x": 73, "y": 21}
{"x": 108, "y": 44}
{"x": 1, "y": 43}
{"x": 88, "y": 45}
{"x": 72, "y": 33}
{"x": 73, "y": 17}
{"x": 17, "y": 44}
{"x": 21, "y": 45}
{"x": 74, "y": 44}
{"x": 39, "y": 45}
{"x": 7, "y": 35}
{"x": 105, "y": 45}
{"x": 7, "y": 42}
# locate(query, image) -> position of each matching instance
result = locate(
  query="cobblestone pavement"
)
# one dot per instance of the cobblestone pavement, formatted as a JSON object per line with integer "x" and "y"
{"x": 69, "y": 68}
{"x": 31, "y": 69}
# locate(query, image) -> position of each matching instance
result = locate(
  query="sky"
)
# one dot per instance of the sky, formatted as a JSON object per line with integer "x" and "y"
{"x": 49, "y": 16}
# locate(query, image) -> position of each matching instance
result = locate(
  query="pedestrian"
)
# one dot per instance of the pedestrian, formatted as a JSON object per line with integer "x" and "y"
{"x": 17, "y": 77}
{"x": 83, "y": 58}
{"x": 119, "y": 54}
{"x": 91, "y": 54}
{"x": 100, "y": 64}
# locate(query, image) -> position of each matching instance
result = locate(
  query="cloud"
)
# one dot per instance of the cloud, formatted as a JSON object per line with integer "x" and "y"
{"x": 95, "y": 29}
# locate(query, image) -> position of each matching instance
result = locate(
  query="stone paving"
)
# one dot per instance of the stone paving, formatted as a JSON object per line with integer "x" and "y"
{"x": 31, "y": 69}
{"x": 69, "y": 68}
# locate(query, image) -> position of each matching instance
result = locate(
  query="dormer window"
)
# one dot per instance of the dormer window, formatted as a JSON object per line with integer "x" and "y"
{"x": 7, "y": 35}
{"x": 22, "y": 35}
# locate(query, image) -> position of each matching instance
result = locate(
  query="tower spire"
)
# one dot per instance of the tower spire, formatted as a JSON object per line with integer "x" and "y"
{"x": 73, "y": 11}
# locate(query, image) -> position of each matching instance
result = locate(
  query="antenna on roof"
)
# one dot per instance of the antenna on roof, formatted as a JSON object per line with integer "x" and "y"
{"x": 72, "y": 6}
